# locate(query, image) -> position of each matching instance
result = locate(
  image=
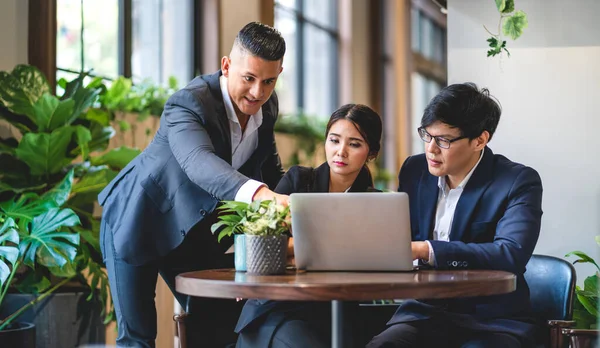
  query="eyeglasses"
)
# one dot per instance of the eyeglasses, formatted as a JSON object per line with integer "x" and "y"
{"x": 440, "y": 141}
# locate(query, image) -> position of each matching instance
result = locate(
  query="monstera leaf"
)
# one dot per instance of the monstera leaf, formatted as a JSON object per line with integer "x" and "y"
{"x": 45, "y": 244}
{"x": 25, "y": 208}
{"x": 8, "y": 253}
{"x": 21, "y": 88}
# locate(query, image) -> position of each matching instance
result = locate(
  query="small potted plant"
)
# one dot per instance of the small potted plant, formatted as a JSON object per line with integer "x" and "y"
{"x": 585, "y": 307}
{"x": 264, "y": 227}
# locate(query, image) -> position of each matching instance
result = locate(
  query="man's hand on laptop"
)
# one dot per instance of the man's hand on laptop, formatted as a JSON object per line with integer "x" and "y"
{"x": 263, "y": 193}
{"x": 420, "y": 250}
{"x": 291, "y": 261}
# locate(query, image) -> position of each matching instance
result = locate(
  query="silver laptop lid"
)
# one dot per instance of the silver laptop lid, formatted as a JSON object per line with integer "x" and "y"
{"x": 351, "y": 231}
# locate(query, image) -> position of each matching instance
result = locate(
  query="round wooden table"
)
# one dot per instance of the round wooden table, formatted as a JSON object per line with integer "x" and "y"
{"x": 345, "y": 286}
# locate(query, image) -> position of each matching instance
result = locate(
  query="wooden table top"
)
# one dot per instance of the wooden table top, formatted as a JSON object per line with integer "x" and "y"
{"x": 348, "y": 286}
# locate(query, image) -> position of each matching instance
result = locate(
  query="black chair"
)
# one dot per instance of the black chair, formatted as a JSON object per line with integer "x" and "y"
{"x": 552, "y": 286}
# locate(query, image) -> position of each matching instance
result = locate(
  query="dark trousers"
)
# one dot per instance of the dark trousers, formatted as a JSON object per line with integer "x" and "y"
{"x": 439, "y": 333}
{"x": 210, "y": 323}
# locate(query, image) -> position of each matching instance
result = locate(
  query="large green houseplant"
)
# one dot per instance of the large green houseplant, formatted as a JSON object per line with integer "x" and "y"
{"x": 586, "y": 314}
{"x": 55, "y": 143}
{"x": 38, "y": 238}
{"x": 585, "y": 308}
{"x": 134, "y": 109}
{"x": 260, "y": 229}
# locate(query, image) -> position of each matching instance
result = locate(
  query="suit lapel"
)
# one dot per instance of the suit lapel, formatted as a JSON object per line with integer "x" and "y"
{"x": 214, "y": 86}
{"x": 321, "y": 180}
{"x": 472, "y": 192}
{"x": 428, "y": 197}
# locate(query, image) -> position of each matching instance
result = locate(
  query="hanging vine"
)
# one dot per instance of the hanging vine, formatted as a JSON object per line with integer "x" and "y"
{"x": 511, "y": 24}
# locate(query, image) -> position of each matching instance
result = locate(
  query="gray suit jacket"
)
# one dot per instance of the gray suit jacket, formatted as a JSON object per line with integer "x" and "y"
{"x": 177, "y": 181}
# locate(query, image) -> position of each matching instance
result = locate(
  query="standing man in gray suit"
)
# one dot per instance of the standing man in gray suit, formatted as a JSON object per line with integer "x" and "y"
{"x": 215, "y": 142}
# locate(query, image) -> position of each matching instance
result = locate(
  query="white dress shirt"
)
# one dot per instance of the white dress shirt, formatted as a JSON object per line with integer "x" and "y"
{"x": 446, "y": 206}
{"x": 243, "y": 144}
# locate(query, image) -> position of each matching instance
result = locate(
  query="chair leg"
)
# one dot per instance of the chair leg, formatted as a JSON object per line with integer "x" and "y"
{"x": 557, "y": 338}
{"x": 180, "y": 321}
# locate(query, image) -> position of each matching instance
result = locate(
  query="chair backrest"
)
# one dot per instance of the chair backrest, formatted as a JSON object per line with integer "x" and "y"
{"x": 552, "y": 285}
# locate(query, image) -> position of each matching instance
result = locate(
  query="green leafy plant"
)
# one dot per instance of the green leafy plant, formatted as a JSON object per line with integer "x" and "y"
{"x": 123, "y": 97}
{"x": 511, "y": 24}
{"x": 259, "y": 218}
{"x": 144, "y": 98}
{"x": 585, "y": 309}
{"x": 309, "y": 132}
{"x": 37, "y": 237}
{"x": 56, "y": 156}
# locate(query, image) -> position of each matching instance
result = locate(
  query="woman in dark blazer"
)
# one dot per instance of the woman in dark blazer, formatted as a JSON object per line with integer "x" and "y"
{"x": 353, "y": 138}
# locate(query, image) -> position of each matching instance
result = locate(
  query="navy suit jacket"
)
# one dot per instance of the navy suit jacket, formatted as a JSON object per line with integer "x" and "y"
{"x": 496, "y": 227}
{"x": 177, "y": 181}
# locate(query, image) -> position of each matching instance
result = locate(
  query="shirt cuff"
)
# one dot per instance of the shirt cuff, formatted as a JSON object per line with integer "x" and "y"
{"x": 431, "y": 260}
{"x": 247, "y": 191}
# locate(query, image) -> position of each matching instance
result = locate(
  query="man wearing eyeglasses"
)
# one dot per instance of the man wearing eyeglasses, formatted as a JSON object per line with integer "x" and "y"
{"x": 470, "y": 209}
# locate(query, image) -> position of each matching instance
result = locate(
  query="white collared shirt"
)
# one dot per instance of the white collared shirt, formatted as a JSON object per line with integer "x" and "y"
{"x": 446, "y": 206}
{"x": 243, "y": 144}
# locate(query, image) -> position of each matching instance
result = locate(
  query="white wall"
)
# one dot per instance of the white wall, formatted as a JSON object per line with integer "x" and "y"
{"x": 550, "y": 93}
{"x": 13, "y": 33}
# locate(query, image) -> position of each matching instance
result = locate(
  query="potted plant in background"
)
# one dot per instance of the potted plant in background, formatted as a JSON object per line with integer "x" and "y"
{"x": 56, "y": 146}
{"x": 264, "y": 225}
{"x": 585, "y": 307}
{"x": 307, "y": 134}
{"x": 134, "y": 110}
{"x": 39, "y": 238}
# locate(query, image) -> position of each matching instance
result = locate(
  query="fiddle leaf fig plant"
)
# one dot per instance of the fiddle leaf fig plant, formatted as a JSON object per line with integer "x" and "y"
{"x": 511, "y": 24}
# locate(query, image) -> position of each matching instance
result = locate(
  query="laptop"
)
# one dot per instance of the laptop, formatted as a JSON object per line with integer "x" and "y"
{"x": 351, "y": 231}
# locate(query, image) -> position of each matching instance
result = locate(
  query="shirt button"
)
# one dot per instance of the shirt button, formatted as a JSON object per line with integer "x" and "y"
{"x": 202, "y": 211}
{"x": 183, "y": 232}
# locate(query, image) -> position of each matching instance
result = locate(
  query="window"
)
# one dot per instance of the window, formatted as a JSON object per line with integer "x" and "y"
{"x": 428, "y": 42}
{"x": 100, "y": 38}
{"x": 309, "y": 81}
{"x": 142, "y": 39}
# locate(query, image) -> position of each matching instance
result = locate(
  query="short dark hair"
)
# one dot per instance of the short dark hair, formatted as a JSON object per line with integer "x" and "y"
{"x": 261, "y": 41}
{"x": 366, "y": 120}
{"x": 466, "y": 107}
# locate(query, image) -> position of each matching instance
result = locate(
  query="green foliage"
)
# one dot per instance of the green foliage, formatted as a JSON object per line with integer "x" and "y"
{"x": 585, "y": 309}
{"x": 144, "y": 98}
{"x": 259, "y": 218}
{"x": 505, "y": 6}
{"x": 38, "y": 241}
{"x": 496, "y": 47}
{"x": 50, "y": 178}
{"x": 309, "y": 132}
{"x": 514, "y": 25}
{"x": 511, "y": 24}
